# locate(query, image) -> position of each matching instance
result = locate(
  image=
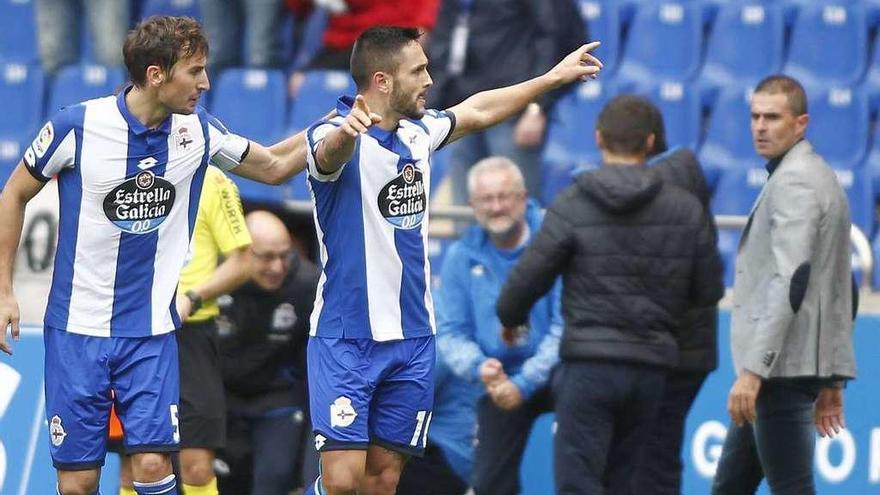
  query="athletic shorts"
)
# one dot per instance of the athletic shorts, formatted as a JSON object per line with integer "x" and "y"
{"x": 365, "y": 392}
{"x": 202, "y": 398}
{"x": 80, "y": 373}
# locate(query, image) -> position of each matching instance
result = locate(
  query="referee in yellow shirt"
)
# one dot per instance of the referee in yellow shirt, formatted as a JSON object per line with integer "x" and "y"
{"x": 220, "y": 230}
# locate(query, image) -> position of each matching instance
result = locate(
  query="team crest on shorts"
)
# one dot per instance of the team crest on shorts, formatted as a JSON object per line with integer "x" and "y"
{"x": 56, "y": 431}
{"x": 341, "y": 413}
{"x": 403, "y": 200}
{"x": 141, "y": 203}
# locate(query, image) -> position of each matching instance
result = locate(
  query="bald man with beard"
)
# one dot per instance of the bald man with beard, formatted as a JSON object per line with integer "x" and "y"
{"x": 264, "y": 327}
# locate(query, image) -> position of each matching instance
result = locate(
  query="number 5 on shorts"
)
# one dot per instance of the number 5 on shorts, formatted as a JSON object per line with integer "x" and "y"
{"x": 420, "y": 422}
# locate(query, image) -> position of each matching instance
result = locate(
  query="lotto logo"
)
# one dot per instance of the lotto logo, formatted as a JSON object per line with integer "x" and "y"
{"x": 320, "y": 440}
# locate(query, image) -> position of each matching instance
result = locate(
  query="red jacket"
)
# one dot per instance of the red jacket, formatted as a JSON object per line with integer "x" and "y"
{"x": 343, "y": 29}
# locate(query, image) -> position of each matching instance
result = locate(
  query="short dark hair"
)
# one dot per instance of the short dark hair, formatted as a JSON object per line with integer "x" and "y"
{"x": 376, "y": 49}
{"x": 162, "y": 40}
{"x": 790, "y": 87}
{"x": 625, "y": 123}
{"x": 658, "y": 127}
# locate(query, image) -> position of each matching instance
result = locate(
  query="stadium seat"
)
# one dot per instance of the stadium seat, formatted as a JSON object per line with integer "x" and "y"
{"x": 728, "y": 136}
{"x": 665, "y": 42}
{"x": 76, "y": 83}
{"x": 875, "y": 276}
{"x": 603, "y": 19}
{"x": 171, "y": 7}
{"x": 682, "y": 114}
{"x": 18, "y": 33}
{"x": 570, "y": 147}
{"x": 871, "y": 83}
{"x": 21, "y": 91}
{"x": 250, "y": 102}
{"x": 11, "y": 152}
{"x": 829, "y": 44}
{"x": 839, "y": 125}
{"x": 317, "y": 96}
{"x": 739, "y": 28}
{"x": 312, "y": 38}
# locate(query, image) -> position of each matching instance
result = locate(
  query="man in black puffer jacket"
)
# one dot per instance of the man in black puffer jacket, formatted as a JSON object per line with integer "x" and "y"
{"x": 659, "y": 471}
{"x": 634, "y": 254}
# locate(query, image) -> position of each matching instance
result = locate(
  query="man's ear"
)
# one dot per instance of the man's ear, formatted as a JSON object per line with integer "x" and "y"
{"x": 649, "y": 142}
{"x": 600, "y": 143}
{"x": 383, "y": 82}
{"x": 155, "y": 75}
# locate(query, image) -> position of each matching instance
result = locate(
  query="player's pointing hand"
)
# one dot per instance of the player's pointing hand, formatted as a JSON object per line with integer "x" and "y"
{"x": 579, "y": 64}
{"x": 360, "y": 118}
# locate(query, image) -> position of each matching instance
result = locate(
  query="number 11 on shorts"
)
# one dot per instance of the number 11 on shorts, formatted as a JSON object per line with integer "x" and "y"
{"x": 420, "y": 422}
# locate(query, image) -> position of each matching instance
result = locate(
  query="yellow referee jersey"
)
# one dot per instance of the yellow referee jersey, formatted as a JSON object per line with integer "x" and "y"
{"x": 220, "y": 229}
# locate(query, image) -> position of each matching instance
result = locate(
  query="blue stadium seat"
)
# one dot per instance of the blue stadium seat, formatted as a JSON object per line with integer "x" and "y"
{"x": 171, "y": 7}
{"x": 21, "y": 91}
{"x": 728, "y": 137}
{"x": 875, "y": 250}
{"x": 665, "y": 42}
{"x": 570, "y": 147}
{"x": 740, "y": 28}
{"x": 318, "y": 95}
{"x": 871, "y": 83}
{"x": 603, "y": 19}
{"x": 250, "y": 102}
{"x": 872, "y": 164}
{"x": 11, "y": 152}
{"x": 76, "y": 83}
{"x": 829, "y": 44}
{"x": 840, "y": 125}
{"x": 18, "y": 33}
{"x": 682, "y": 113}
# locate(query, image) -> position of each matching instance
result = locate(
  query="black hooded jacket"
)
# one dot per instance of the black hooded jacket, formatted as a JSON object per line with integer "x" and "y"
{"x": 634, "y": 254}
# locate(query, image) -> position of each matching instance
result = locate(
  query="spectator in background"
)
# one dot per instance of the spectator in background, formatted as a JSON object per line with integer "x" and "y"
{"x": 660, "y": 469}
{"x": 447, "y": 465}
{"x": 349, "y": 18}
{"x": 58, "y": 30}
{"x": 634, "y": 254}
{"x": 243, "y": 32}
{"x": 514, "y": 368}
{"x": 264, "y": 329}
{"x": 485, "y": 44}
{"x": 791, "y": 324}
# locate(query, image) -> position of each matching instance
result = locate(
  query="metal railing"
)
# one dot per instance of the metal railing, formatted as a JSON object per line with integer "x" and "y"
{"x": 465, "y": 213}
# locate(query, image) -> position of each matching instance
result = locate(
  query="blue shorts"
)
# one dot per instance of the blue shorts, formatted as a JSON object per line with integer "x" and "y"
{"x": 81, "y": 371}
{"x": 365, "y": 392}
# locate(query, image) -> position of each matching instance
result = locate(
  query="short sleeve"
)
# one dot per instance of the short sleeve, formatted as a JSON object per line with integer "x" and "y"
{"x": 439, "y": 126}
{"x": 54, "y": 147}
{"x": 227, "y": 149}
{"x": 314, "y": 135}
{"x": 226, "y": 218}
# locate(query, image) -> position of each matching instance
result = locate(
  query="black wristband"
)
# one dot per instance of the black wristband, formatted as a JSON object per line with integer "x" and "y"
{"x": 195, "y": 299}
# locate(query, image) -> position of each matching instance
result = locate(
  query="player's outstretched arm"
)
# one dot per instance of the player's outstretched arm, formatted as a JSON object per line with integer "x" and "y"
{"x": 490, "y": 107}
{"x": 20, "y": 188}
{"x": 274, "y": 164}
{"x": 337, "y": 147}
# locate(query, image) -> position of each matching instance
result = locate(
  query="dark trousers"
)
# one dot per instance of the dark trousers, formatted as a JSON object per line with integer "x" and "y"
{"x": 660, "y": 467}
{"x": 604, "y": 412}
{"x": 501, "y": 440}
{"x": 430, "y": 475}
{"x": 778, "y": 446}
{"x": 263, "y": 453}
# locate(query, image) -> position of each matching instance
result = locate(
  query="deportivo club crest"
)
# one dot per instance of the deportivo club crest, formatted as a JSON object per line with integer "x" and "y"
{"x": 56, "y": 431}
{"x": 403, "y": 200}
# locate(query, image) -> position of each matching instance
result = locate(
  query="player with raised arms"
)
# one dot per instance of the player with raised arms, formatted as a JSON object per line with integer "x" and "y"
{"x": 371, "y": 353}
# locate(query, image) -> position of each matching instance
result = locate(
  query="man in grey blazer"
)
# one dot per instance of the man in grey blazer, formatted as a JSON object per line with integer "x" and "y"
{"x": 791, "y": 333}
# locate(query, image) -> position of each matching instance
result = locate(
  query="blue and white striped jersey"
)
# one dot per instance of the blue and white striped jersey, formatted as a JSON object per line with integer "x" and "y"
{"x": 371, "y": 217}
{"x": 128, "y": 198}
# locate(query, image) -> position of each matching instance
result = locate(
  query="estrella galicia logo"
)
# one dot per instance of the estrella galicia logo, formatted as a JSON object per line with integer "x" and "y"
{"x": 140, "y": 204}
{"x": 402, "y": 201}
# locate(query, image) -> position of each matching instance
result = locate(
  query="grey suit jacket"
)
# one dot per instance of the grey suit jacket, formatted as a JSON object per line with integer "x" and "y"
{"x": 792, "y": 313}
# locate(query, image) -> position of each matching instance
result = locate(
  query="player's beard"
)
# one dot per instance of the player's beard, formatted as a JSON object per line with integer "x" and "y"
{"x": 406, "y": 104}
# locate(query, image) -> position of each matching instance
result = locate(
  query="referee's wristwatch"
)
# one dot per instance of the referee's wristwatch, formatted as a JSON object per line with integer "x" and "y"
{"x": 195, "y": 299}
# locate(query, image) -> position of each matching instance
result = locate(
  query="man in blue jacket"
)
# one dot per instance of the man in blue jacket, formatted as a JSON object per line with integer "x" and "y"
{"x": 513, "y": 367}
